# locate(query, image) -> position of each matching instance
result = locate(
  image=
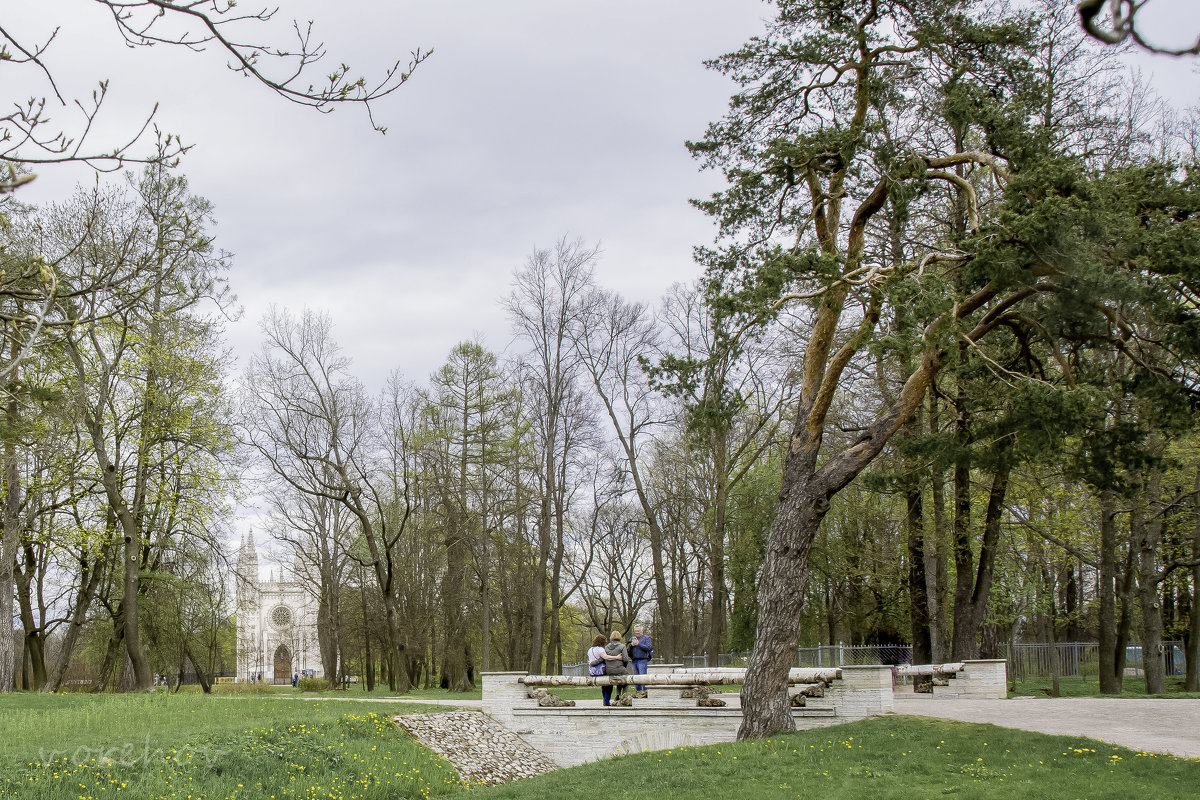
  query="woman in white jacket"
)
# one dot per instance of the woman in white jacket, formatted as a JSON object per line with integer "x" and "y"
{"x": 597, "y": 655}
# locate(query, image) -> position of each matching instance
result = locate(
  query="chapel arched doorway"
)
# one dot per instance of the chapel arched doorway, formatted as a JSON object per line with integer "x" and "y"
{"x": 283, "y": 664}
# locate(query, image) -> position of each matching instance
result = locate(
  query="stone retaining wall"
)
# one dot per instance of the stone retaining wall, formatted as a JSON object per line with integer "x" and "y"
{"x": 980, "y": 679}
{"x": 571, "y": 736}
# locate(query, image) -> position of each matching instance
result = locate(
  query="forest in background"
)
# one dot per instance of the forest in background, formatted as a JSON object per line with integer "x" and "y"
{"x": 621, "y": 463}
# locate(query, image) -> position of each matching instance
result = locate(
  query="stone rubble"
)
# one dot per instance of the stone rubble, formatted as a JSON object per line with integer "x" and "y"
{"x": 703, "y": 697}
{"x": 547, "y": 699}
{"x": 482, "y": 751}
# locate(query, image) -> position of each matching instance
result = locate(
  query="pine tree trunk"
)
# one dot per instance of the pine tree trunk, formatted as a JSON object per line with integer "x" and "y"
{"x": 718, "y": 616}
{"x": 917, "y": 585}
{"x": 935, "y": 554}
{"x": 766, "y": 708}
{"x": 964, "y": 643}
{"x": 1192, "y": 669}
{"x": 974, "y": 588}
{"x": 1051, "y": 632}
{"x": 1110, "y": 676}
{"x": 1125, "y": 623}
{"x": 1146, "y": 535}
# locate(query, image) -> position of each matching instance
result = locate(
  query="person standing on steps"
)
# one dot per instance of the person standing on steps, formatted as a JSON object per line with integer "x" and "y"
{"x": 598, "y": 660}
{"x": 641, "y": 651}
{"x": 618, "y": 662}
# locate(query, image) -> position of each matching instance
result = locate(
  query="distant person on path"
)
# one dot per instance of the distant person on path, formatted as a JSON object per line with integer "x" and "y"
{"x": 295, "y": 679}
{"x": 618, "y": 660}
{"x": 641, "y": 651}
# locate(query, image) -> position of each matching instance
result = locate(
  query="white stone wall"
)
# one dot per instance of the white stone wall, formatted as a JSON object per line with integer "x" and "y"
{"x": 982, "y": 678}
{"x": 572, "y": 736}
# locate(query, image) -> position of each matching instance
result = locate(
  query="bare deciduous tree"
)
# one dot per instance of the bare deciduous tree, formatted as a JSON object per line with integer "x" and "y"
{"x": 541, "y": 307}
{"x": 315, "y": 428}
{"x": 612, "y": 337}
{"x": 28, "y": 134}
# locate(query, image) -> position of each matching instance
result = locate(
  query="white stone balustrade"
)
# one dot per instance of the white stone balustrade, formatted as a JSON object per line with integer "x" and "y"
{"x": 589, "y": 732}
{"x": 985, "y": 678}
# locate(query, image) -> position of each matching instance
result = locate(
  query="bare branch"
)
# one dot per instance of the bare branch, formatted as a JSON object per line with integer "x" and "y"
{"x": 1119, "y": 25}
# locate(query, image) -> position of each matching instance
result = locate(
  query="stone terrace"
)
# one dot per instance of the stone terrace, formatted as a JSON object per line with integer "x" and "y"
{"x": 590, "y": 731}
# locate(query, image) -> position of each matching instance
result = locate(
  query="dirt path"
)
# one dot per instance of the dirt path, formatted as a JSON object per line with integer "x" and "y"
{"x": 464, "y": 703}
{"x": 1157, "y": 726}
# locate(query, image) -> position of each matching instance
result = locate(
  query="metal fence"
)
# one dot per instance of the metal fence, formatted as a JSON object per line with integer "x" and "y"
{"x": 1025, "y": 659}
{"x": 837, "y": 655}
{"x": 1081, "y": 659}
{"x": 819, "y": 656}
{"x": 1035, "y": 659}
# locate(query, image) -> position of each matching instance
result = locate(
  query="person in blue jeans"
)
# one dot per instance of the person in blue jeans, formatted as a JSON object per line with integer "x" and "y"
{"x": 641, "y": 651}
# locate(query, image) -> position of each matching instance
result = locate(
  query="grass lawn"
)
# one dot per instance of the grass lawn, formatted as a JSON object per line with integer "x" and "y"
{"x": 381, "y": 690}
{"x": 1132, "y": 686}
{"x": 156, "y": 745}
{"x": 906, "y": 758}
{"x": 85, "y": 747}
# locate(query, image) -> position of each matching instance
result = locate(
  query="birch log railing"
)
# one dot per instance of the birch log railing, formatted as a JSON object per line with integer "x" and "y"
{"x": 587, "y": 731}
{"x": 913, "y": 670}
{"x": 926, "y": 676}
{"x": 802, "y": 682}
{"x": 682, "y": 680}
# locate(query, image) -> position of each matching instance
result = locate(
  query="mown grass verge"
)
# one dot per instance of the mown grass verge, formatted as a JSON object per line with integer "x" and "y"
{"x": 73, "y": 747}
{"x": 191, "y": 747}
{"x": 900, "y": 758}
{"x": 1131, "y": 687}
{"x": 358, "y": 690}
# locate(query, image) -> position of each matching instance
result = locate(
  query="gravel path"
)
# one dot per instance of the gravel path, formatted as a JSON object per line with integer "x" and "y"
{"x": 1154, "y": 725}
{"x": 481, "y": 751}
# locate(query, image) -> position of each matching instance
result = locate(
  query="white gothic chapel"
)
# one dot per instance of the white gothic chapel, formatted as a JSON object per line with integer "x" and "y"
{"x": 276, "y": 622}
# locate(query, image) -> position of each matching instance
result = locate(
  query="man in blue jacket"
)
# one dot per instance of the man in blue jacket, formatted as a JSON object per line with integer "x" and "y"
{"x": 641, "y": 651}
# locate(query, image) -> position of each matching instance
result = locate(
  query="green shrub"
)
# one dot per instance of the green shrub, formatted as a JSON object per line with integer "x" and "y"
{"x": 225, "y": 688}
{"x": 307, "y": 684}
{"x": 78, "y": 687}
{"x": 242, "y": 687}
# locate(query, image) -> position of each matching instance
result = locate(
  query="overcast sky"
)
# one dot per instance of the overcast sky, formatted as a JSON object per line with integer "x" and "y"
{"x": 534, "y": 119}
{"x": 531, "y": 121}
